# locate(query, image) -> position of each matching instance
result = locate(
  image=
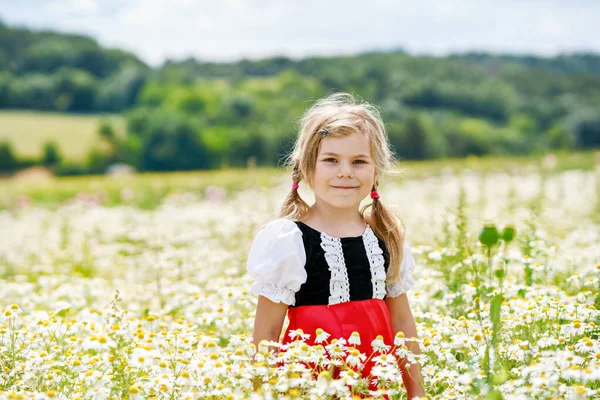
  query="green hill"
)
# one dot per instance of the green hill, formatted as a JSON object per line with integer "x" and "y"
{"x": 190, "y": 114}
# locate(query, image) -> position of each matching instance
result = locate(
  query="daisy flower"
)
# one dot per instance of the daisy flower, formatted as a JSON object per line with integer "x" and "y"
{"x": 379, "y": 346}
{"x": 321, "y": 335}
{"x": 354, "y": 339}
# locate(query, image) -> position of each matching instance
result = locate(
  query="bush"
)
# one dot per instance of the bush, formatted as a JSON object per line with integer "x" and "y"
{"x": 8, "y": 161}
{"x": 51, "y": 156}
{"x": 69, "y": 168}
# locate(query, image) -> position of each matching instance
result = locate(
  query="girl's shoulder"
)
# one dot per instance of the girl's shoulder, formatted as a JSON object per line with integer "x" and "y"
{"x": 277, "y": 228}
{"x": 276, "y": 261}
{"x": 279, "y": 234}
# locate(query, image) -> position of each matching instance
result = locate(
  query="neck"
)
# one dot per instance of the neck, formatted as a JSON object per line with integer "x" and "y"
{"x": 335, "y": 216}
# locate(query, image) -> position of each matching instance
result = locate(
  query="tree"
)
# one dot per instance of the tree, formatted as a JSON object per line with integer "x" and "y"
{"x": 51, "y": 156}
{"x": 5, "y": 89}
{"x": 416, "y": 139}
{"x": 168, "y": 141}
{"x": 107, "y": 132}
{"x": 120, "y": 91}
{"x": 48, "y": 55}
{"x": 36, "y": 91}
{"x": 77, "y": 89}
{"x": 584, "y": 126}
{"x": 8, "y": 162}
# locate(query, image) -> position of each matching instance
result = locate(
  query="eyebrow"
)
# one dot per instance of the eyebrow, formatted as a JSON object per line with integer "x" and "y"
{"x": 328, "y": 153}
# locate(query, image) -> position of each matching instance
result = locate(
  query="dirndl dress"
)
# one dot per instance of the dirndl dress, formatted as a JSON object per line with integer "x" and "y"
{"x": 336, "y": 284}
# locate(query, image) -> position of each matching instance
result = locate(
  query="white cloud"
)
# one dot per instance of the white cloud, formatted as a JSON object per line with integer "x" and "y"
{"x": 232, "y": 29}
{"x": 85, "y": 6}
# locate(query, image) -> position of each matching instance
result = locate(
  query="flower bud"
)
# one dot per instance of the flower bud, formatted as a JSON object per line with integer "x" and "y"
{"x": 489, "y": 236}
{"x": 509, "y": 233}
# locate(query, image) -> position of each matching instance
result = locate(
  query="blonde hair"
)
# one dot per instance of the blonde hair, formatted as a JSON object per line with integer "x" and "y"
{"x": 341, "y": 115}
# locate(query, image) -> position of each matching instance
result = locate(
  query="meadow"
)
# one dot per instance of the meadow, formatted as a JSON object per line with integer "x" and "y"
{"x": 147, "y": 190}
{"x": 76, "y": 135}
{"x": 135, "y": 287}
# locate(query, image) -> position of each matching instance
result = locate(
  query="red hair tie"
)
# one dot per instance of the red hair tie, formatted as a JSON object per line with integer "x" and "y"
{"x": 374, "y": 194}
{"x": 295, "y": 186}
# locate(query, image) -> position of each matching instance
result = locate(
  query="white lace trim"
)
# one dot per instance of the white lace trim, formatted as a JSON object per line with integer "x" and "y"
{"x": 273, "y": 293}
{"x": 376, "y": 262}
{"x": 339, "y": 285}
{"x": 396, "y": 289}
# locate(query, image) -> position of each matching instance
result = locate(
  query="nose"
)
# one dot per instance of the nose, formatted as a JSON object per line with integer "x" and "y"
{"x": 345, "y": 169}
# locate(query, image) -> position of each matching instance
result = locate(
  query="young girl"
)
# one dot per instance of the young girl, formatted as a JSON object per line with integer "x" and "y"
{"x": 330, "y": 265}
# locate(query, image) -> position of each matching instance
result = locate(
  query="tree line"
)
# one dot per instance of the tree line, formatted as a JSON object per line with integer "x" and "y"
{"x": 190, "y": 114}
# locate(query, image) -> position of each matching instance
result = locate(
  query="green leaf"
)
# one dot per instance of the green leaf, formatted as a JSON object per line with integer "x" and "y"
{"x": 494, "y": 394}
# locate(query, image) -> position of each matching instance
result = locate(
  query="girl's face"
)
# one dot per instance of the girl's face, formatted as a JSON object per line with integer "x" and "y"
{"x": 344, "y": 172}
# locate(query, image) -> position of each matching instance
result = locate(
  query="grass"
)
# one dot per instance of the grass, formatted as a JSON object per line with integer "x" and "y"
{"x": 27, "y": 131}
{"x": 564, "y": 160}
{"x": 148, "y": 189}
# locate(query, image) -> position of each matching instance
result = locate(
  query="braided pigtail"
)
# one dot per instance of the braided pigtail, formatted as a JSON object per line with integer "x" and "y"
{"x": 294, "y": 207}
{"x": 388, "y": 227}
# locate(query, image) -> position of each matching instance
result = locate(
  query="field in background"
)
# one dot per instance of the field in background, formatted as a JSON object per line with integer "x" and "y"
{"x": 75, "y": 134}
{"x": 147, "y": 190}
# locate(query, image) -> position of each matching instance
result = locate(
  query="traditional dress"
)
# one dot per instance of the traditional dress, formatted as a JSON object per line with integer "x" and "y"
{"x": 336, "y": 284}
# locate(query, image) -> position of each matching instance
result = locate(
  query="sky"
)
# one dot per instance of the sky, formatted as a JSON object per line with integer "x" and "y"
{"x": 228, "y": 30}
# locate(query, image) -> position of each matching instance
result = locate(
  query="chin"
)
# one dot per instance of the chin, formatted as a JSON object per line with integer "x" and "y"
{"x": 345, "y": 204}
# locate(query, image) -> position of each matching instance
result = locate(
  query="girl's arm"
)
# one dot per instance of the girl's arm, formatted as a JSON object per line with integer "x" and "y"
{"x": 403, "y": 321}
{"x": 268, "y": 320}
{"x": 267, "y": 324}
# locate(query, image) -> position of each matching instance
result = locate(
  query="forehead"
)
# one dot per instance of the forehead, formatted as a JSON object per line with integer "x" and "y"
{"x": 346, "y": 145}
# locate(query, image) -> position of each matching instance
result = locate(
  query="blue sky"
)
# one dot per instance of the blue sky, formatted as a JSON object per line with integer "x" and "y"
{"x": 232, "y": 29}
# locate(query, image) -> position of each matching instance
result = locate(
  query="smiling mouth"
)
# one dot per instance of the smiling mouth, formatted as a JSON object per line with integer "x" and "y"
{"x": 345, "y": 187}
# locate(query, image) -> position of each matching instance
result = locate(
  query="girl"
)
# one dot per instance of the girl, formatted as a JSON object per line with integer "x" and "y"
{"x": 330, "y": 265}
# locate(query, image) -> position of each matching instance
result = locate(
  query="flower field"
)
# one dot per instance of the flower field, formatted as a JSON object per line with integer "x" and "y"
{"x": 103, "y": 302}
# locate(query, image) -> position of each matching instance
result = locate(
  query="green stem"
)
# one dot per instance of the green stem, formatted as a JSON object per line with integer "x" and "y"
{"x": 489, "y": 256}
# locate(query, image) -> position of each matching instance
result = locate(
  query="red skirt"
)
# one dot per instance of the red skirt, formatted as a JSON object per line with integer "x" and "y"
{"x": 369, "y": 318}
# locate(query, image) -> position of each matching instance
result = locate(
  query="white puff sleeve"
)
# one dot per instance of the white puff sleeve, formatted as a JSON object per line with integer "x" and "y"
{"x": 276, "y": 262}
{"x": 407, "y": 268}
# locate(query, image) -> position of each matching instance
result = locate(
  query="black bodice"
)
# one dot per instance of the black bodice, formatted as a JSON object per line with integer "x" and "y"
{"x": 316, "y": 289}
